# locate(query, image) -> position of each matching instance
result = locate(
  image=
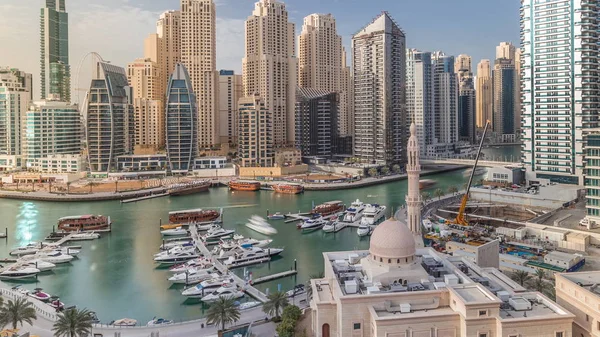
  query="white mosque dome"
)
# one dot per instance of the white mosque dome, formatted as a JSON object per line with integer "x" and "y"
{"x": 392, "y": 240}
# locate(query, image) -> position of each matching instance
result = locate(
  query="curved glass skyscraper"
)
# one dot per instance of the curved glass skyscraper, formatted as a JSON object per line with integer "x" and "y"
{"x": 181, "y": 121}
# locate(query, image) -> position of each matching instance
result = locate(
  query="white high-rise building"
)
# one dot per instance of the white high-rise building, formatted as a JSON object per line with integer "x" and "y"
{"x": 15, "y": 96}
{"x": 419, "y": 95}
{"x": 269, "y": 66}
{"x": 559, "y": 85}
{"x": 445, "y": 107}
{"x": 379, "y": 64}
{"x": 198, "y": 54}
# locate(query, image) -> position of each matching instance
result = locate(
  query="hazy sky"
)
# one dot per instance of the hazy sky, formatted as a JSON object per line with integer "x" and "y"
{"x": 116, "y": 28}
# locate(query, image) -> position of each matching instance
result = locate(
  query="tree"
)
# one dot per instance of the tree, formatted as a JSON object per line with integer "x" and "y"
{"x": 425, "y": 196}
{"x": 372, "y": 172}
{"x": 291, "y": 312}
{"x": 438, "y": 193}
{"x": 521, "y": 277}
{"x": 116, "y": 186}
{"x": 539, "y": 285}
{"x": 540, "y": 274}
{"x": 385, "y": 170}
{"x": 17, "y": 312}
{"x": 277, "y": 301}
{"x": 452, "y": 189}
{"x": 396, "y": 168}
{"x": 92, "y": 184}
{"x": 223, "y": 312}
{"x": 74, "y": 323}
{"x": 286, "y": 328}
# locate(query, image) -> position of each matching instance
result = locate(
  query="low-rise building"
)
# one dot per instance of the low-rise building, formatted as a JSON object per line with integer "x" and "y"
{"x": 396, "y": 289}
{"x": 210, "y": 163}
{"x": 506, "y": 175}
{"x": 288, "y": 157}
{"x": 60, "y": 163}
{"x": 580, "y": 294}
{"x": 142, "y": 163}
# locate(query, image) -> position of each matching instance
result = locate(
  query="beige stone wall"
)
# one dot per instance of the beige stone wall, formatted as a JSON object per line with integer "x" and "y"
{"x": 251, "y": 172}
{"x": 580, "y": 302}
{"x": 535, "y": 327}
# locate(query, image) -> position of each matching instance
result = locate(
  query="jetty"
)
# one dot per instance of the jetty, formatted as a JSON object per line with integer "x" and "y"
{"x": 274, "y": 276}
{"x": 152, "y": 196}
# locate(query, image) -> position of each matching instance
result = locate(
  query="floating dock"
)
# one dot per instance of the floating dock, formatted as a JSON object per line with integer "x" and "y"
{"x": 152, "y": 196}
{"x": 274, "y": 276}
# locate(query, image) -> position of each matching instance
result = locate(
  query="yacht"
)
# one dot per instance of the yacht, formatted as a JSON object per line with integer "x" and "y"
{"x": 260, "y": 225}
{"x": 30, "y": 249}
{"x": 193, "y": 276}
{"x": 179, "y": 231}
{"x": 39, "y": 264}
{"x": 373, "y": 214}
{"x": 174, "y": 250}
{"x": 207, "y": 227}
{"x": 20, "y": 290}
{"x": 298, "y": 290}
{"x": 159, "y": 321}
{"x": 56, "y": 303}
{"x": 354, "y": 212}
{"x": 38, "y": 294}
{"x": 206, "y": 286}
{"x": 19, "y": 273}
{"x": 176, "y": 257}
{"x": 195, "y": 263}
{"x": 276, "y": 216}
{"x": 68, "y": 251}
{"x": 214, "y": 235}
{"x": 173, "y": 244}
{"x": 251, "y": 256}
{"x": 55, "y": 257}
{"x": 364, "y": 230}
{"x": 248, "y": 305}
{"x": 333, "y": 226}
{"x": 311, "y": 225}
{"x": 228, "y": 292}
{"x": 244, "y": 243}
{"x": 124, "y": 322}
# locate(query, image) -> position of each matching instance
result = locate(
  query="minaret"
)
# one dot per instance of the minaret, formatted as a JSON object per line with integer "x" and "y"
{"x": 413, "y": 169}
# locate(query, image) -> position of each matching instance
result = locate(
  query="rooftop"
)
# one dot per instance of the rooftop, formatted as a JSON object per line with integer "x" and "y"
{"x": 473, "y": 293}
{"x": 587, "y": 280}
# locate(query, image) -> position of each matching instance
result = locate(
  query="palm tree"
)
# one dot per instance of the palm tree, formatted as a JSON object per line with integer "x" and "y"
{"x": 438, "y": 193}
{"x": 116, "y": 186}
{"x": 396, "y": 168}
{"x": 17, "y": 312}
{"x": 540, "y": 274}
{"x": 425, "y": 196}
{"x": 385, "y": 170}
{"x": 372, "y": 172}
{"x": 452, "y": 189}
{"x": 92, "y": 185}
{"x": 521, "y": 277}
{"x": 539, "y": 285}
{"x": 277, "y": 301}
{"x": 223, "y": 312}
{"x": 73, "y": 323}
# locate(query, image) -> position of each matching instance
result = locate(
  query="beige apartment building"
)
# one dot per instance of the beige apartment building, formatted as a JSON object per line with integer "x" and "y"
{"x": 580, "y": 294}
{"x": 145, "y": 79}
{"x": 255, "y": 145}
{"x": 167, "y": 52}
{"x": 230, "y": 91}
{"x": 396, "y": 289}
{"x": 198, "y": 54}
{"x": 484, "y": 95}
{"x": 462, "y": 67}
{"x": 269, "y": 66}
{"x": 346, "y": 108}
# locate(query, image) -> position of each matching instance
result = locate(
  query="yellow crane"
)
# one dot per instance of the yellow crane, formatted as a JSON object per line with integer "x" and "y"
{"x": 460, "y": 217}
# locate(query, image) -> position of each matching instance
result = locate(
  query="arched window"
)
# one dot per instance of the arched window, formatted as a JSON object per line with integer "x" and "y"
{"x": 381, "y": 259}
{"x": 325, "y": 330}
{"x": 389, "y": 260}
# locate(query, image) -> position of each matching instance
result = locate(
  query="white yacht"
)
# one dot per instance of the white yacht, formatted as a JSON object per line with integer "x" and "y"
{"x": 177, "y": 243}
{"x": 174, "y": 250}
{"x": 193, "y": 276}
{"x": 244, "y": 243}
{"x": 228, "y": 292}
{"x": 29, "y": 249}
{"x": 364, "y": 230}
{"x": 178, "y": 256}
{"x": 259, "y": 224}
{"x": 19, "y": 273}
{"x": 206, "y": 286}
{"x": 40, "y": 295}
{"x": 124, "y": 322}
{"x": 39, "y": 264}
{"x": 354, "y": 212}
{"x": 159, "y": 321}
{"x": 251, "y": 256}
{"x": 55, "y": 257}
{"x": 216, "y": 234}
{"x": 248, "y": 305}
{"x": 68, "y": 251}
{"x": 311, "y": 225}
{"x": 200, "y": 263}
{"x": 207, "y": 227}
{"x": 179, "y": 231}
{"x": 373, "y": 214}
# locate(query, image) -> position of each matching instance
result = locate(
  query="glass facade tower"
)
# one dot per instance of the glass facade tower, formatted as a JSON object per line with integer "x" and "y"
{"x": 55, "y": 72}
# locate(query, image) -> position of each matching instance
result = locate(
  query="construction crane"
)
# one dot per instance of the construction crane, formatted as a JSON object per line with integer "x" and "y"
{"x": 460, "y": 217}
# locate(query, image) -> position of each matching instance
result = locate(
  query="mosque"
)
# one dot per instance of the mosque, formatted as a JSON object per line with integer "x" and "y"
{"x": 398, "y": 288}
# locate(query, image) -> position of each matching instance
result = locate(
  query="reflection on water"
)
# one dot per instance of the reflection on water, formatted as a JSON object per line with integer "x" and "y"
{"x": 26, "y": 222}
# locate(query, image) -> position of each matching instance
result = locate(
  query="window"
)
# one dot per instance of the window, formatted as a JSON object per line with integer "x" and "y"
{"x": 483, "y": 313}
{"x": 560, "y": 334}
{"x": 356, "y": 326}
{"x": 483, "y": 335}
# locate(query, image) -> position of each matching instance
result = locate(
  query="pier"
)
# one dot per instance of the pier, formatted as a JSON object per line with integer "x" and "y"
{"x": 152, "y": 196}
{"x": 274, "y": 276}
{"x": 249, "y": 289}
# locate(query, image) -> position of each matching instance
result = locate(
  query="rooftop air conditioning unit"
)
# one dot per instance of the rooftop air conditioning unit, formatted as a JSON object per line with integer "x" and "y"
{"x": 351, "y": 287}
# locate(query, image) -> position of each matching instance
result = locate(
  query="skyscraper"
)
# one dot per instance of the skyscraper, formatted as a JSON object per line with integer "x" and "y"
{"x": 419, "y": 96}
{"x": 379, "y": 64}
{"x": 144, "y": 77}
{"x": 505, "y": 84}
{"x": 230, "y": 91}
{"x": 560, "y": 94}
{"x": 181, "y": 121}
{"x": 316, "y": 122}
{"x": 466, "y": 98}
{"x": 255, "y": 145}
{"x": 484, "y": 96}
{"x": 269, "y": 66}
{"x": 55, "y": 73}
{"x": 15, "y": 97}
{"x": 198, "y": 54}
{"x": 110, "y": 122}
{"x": 505, "y": 50}
{"x": 445, "y": 107}
{"x": 168, "y": 31}
{"x": 346, "y": 110}
{"x": 462, "y": 67}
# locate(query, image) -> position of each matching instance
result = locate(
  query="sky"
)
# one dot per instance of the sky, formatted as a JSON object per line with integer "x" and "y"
{"x": 116, "y": 28}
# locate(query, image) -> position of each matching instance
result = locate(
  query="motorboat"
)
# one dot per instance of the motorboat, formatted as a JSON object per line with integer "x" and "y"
{"x": 56, "y": 303}
{"x": 174, "y": 250}
{"x": 259, "y": 224}
{"x": 373, "y": 214}
{"x": 179, "y": 231}
{"x": 29, "y": 249}
{"x": 20, "y": 290}
{"x": 248, "y": 305}
{"x": 214, "y": 235}
{"x": 333, "y": 226}
{"x": 200, "y": 290}
{"x": 39, "y": 264}
{"x": 298, "y": 290}
{"x": 171, "y": 245}
{"x": 312, "y": 225}
{"x": 38, "y": 294}
{"x": 251, "y": 256}
{"x": 364, "y": 230}
{"x": 193, "y": 276}
{"x": 207, "y": 227}
{"x": 195, "y": 263}
{"x": 124, "y": 322}
{"x": 276, "y": 216}
{"x": 19, "y": 273}
{"x": 354, "y": 212}
{"x": 85, "y": 236}
{"x": 244, "y": 243}
{"x": 177, "y": 257}
{"x": 55, "y": 257}
{"x": 68, "y": 251}
{"x": 2, "y": 235}
{"x": 227, "y": 292}
{"x": 159, "y": 321}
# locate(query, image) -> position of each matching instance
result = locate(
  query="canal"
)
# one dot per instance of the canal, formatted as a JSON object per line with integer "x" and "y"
{"x": 116, "y": 276}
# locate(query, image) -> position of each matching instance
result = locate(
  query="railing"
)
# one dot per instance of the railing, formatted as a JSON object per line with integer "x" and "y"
{"x": 41, "y": 309}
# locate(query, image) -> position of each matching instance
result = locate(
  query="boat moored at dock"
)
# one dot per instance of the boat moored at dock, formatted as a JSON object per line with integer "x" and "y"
{"x": 226, "y": 292}
{"x": 374, "y": 214}
{"x": 194, "y": 216}
{"x": 288, "y": 188}
{"x": 311, "y": 225}
{"x": 84, "y": 223}
{"x": 276, "y": 216}
{"x": 19, "y": 273}
{"x": 244, "y": 185}
{"x": 251, "y": 256}
{"x": 179, "y": 231}
{"x": 188, "y": 188}
{"x": 328, "y": 208}
{"x": 259, "y": 224}
{"x": 364, "y": 230}
{"x": 426, "y": 183}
